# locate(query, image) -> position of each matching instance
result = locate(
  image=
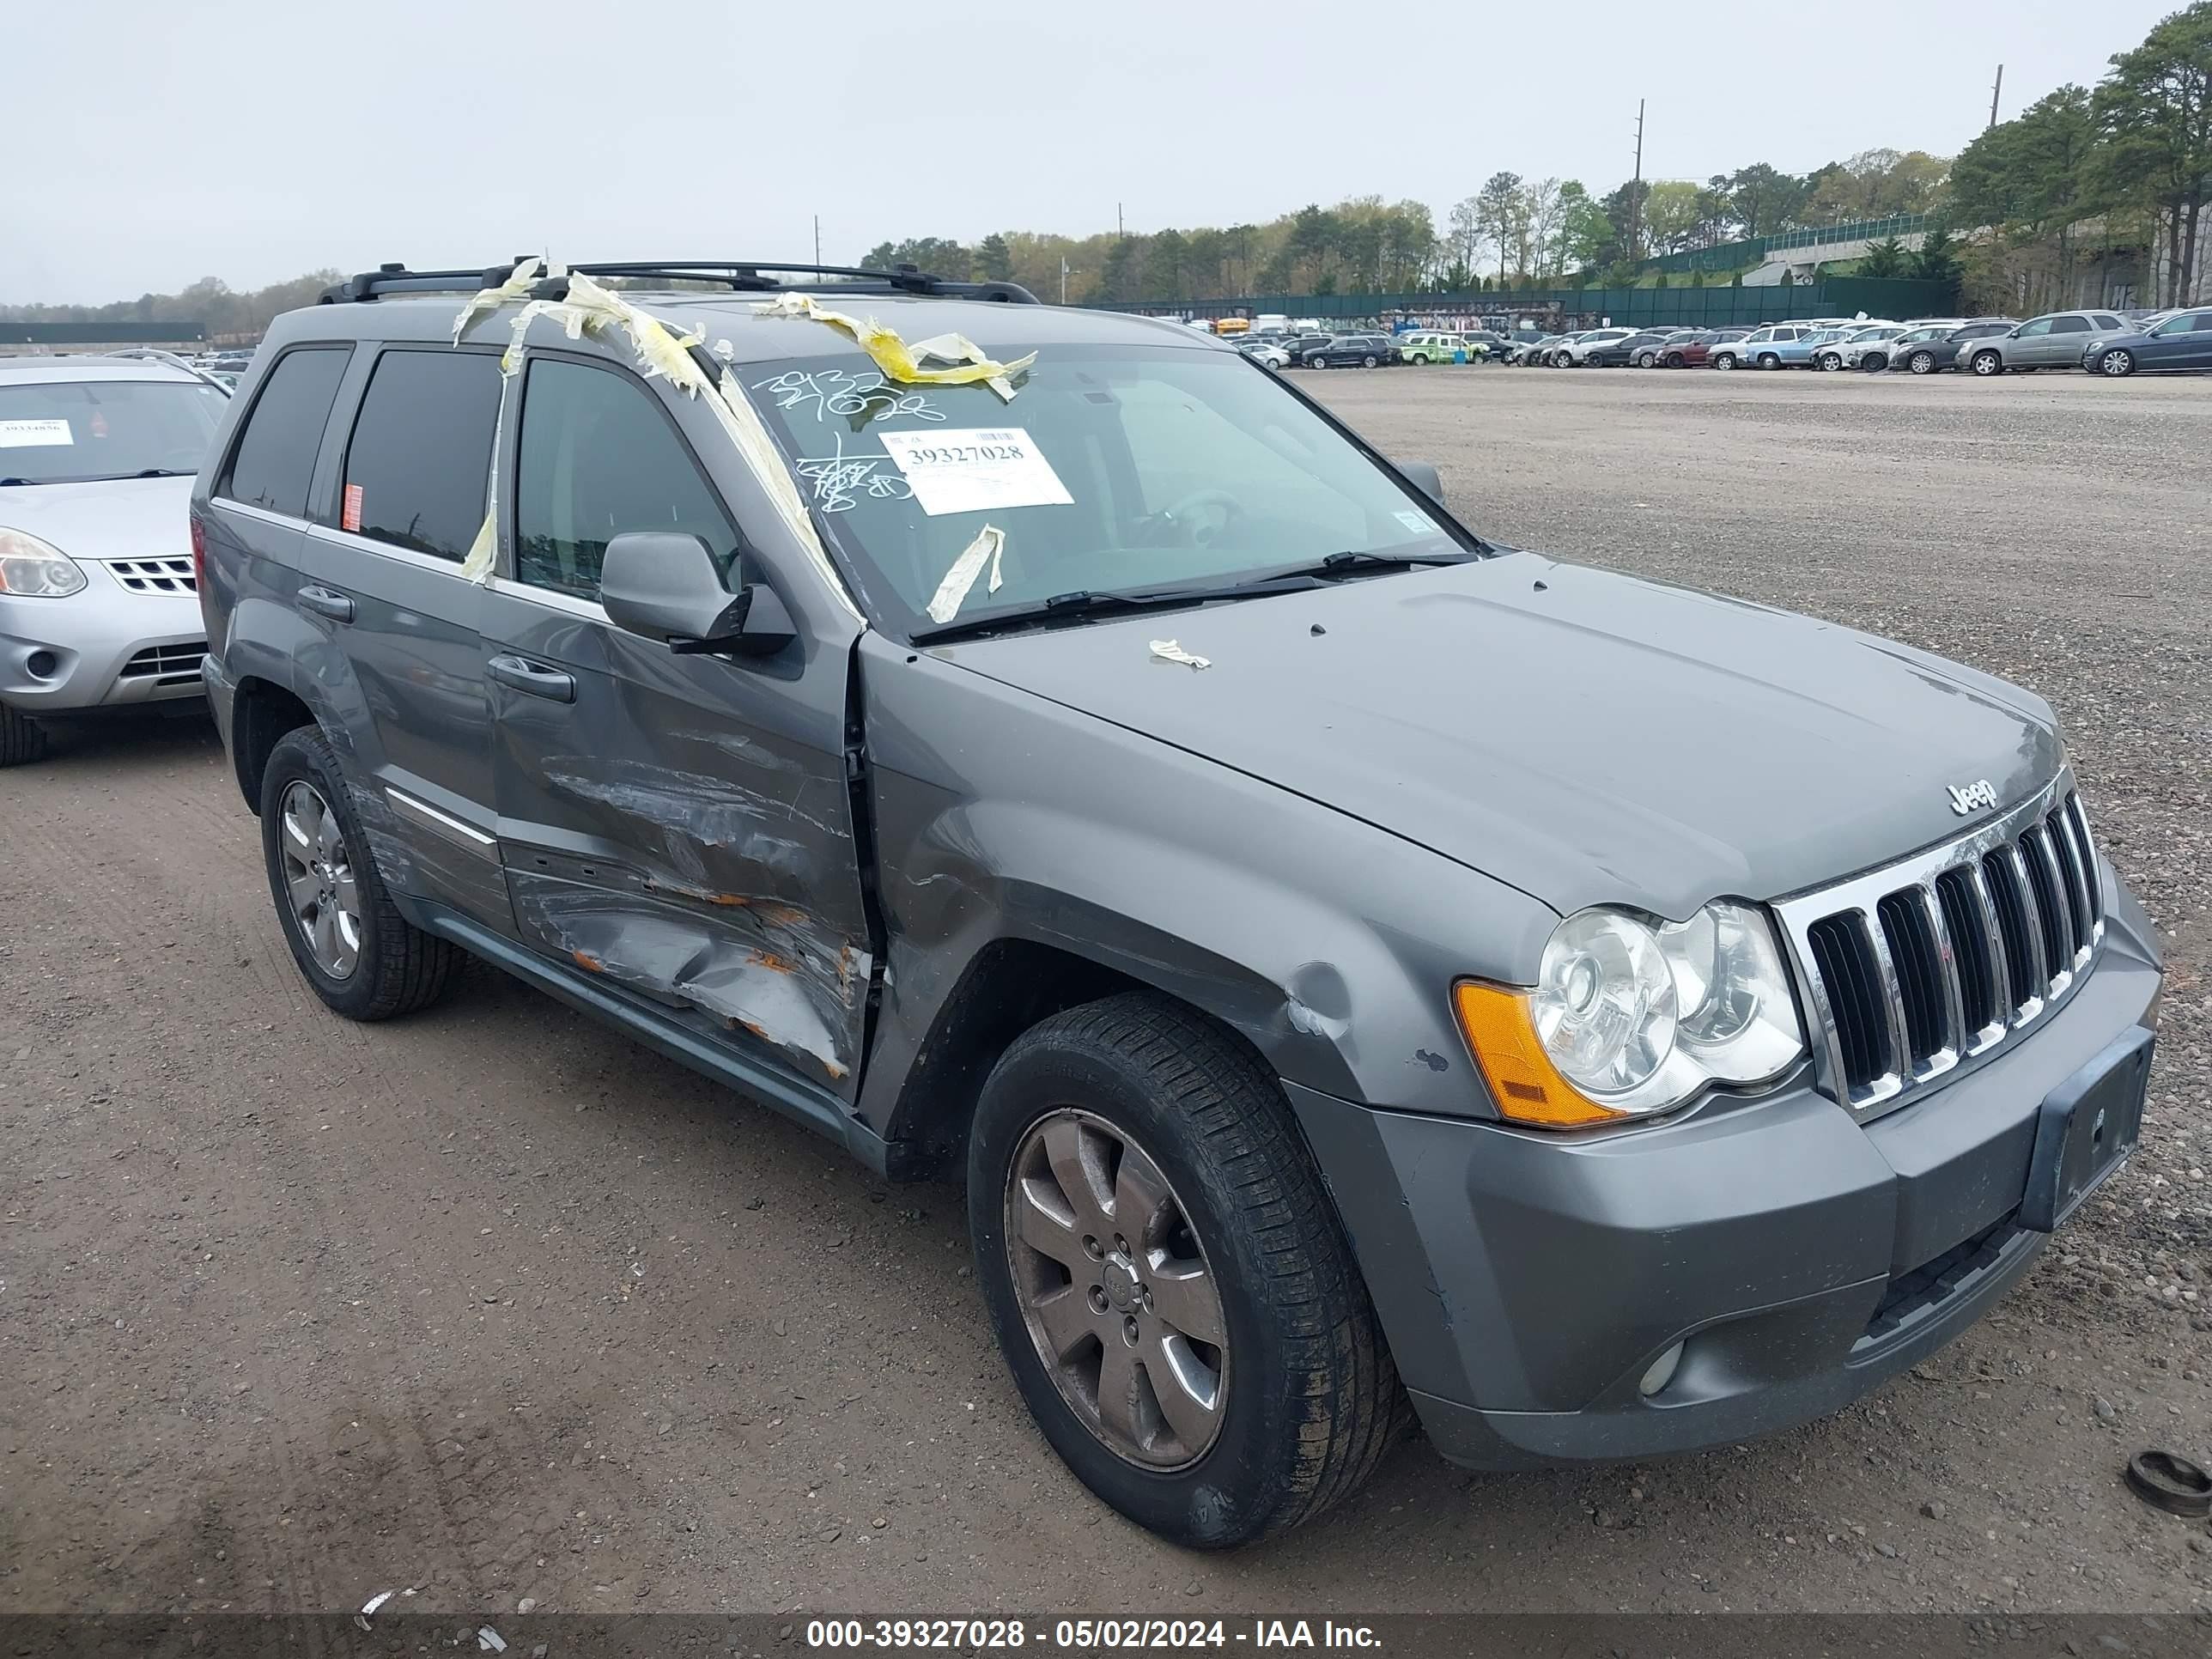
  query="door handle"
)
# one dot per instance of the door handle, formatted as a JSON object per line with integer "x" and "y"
{"x": 533, "y": 679}
{"x": 324, "y": 603}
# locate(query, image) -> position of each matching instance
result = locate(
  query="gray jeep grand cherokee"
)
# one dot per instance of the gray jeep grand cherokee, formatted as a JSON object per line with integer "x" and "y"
{"x": 1350, "y": 963}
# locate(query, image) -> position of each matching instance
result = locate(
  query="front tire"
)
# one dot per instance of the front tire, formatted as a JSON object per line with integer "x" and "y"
{"x": 1830, "y": 362}
{"x": 1921, "y": 363}
{"x": 364, "y": 958}
{"x": 23, "y": 739}
{"x": 1141, "y": 1203}
{"x": 1768, "y": 359}
{"x": 1986, "y": 363}
{"x": 1725, "y": 360}
{"x": 2118, "y": 364}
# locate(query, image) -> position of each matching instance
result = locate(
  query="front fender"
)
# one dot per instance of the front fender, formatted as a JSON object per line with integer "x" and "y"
{"x": 1329, "y": 943}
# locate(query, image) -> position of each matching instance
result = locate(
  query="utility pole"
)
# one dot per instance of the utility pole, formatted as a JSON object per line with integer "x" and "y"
{"x": 1994, "y": 91}
{"x": 1636, "y": 189}
{"x": 1118, "y": 231}
{"x": 817, "y": 239}
{"x": 1063, "y": 279}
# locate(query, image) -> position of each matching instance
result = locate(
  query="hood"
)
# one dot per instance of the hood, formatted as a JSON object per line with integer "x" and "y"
{"x": 1588, "y": 738}
{"x": 113, "y": 519}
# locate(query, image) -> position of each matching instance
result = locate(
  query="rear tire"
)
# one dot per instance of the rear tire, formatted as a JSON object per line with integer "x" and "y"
{"x": 395, "y": 967}
{"x": 1368, "y": 360}
{"x": 23, "y": 739}
{"x": 1304, "y": 1396}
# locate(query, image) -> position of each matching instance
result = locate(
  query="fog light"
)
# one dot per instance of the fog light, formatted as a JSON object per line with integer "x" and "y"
{"x": 1661, "y": 1371}
{"x": 41, "y": 663}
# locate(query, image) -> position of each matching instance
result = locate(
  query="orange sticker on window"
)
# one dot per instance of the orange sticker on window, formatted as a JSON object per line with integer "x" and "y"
{"x": 349, "y": 515}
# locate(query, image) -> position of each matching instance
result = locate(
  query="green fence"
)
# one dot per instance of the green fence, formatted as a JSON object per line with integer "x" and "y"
{"x": 52, "y": 334}
{"x": 1587, "y": 307}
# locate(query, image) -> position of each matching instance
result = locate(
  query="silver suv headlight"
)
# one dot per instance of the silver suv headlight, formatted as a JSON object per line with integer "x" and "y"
{"x": 1631, "y": 1015}
{"x": 34, "y": 570}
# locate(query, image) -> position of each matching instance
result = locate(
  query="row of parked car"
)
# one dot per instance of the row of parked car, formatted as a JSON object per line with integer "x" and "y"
{"x": 1372, "y": 350}
{"x": 2102, "y": 342}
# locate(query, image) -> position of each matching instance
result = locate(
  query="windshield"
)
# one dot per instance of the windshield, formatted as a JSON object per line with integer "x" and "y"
{"x": 1114, "y": 470}
{"x": 71, "y": 431}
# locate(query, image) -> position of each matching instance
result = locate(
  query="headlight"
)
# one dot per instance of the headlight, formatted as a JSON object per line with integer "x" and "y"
{"x": 32, "y": 570}
{"x": 1630, "y": 1016}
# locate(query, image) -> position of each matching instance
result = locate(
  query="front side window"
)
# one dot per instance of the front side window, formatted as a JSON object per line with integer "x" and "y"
{"x": 275, "y": 460}
{"x": 1120, "y": 469}
{"x": 597, "y": 457}
{"x": 77, "y": 431}
{"x": 2030, "y": 330}
{"x": 421, "y": 454}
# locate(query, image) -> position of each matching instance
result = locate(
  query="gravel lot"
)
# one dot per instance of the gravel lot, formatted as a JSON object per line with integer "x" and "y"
{"x": 495, "y": 1303}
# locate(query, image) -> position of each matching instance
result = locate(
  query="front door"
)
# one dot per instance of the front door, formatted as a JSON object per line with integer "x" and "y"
{"x": 679, "y": 824}
{"x": 2184, "y": 342}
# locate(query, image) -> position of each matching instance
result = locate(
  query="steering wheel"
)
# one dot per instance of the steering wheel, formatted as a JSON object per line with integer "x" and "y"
{"x": 1198, "y": 519}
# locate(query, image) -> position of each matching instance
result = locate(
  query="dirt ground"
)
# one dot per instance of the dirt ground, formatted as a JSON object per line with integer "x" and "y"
{"x": 493, "y": 1304}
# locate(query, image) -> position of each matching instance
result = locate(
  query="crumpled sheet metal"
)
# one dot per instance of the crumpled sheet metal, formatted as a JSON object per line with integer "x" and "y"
{"x": 963, "y": 360}
{"x": 597, "y": 311}
{"x": 952, "y": 592}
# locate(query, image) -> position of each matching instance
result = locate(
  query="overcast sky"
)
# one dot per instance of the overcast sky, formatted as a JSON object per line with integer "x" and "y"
{"x": 152, "y": 143}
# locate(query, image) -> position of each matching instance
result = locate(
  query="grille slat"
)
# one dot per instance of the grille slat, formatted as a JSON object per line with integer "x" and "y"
{"x": 1845, "y": 958}
{"x": 162, "y": 576}
{"x": 1966, "y": 912}
{"x": 1917, "y": 970}
{"x": 161, "y": 661}
{"x": 1950, "y": 953}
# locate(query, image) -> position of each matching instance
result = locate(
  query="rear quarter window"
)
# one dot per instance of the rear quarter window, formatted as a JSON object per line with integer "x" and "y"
{"x": 275, "y": 459}
{"x": 421, "y": 452}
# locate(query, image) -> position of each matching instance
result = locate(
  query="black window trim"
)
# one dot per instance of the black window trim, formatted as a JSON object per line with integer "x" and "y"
{"x": 219, "y": 490}
{"x": 508, "y": 460}
{"x": 326, "y": 518}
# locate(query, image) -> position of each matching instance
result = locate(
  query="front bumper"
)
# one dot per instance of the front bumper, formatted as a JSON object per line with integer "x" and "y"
{"x": 105, "y": 648}
{"x": 1527, "y": 1280}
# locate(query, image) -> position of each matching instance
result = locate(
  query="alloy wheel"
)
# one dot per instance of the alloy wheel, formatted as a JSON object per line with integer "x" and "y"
{"x": 319, "y": 880}
{"x": 1988, "y": 363}
{"x": 1922, "y": 362}
{"x": 1115, "y": 1290}
{"x": 2118, "y": 363}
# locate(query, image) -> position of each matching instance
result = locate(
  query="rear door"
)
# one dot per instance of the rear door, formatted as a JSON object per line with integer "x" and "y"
{"x": 397, "y": 507}
{"x": 679, "y": 824}
{"x": 2061, "y": 348}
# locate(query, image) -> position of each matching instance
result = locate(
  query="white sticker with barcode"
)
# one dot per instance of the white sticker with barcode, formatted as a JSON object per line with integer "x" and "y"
{"x": 976, "y": 469}
{"x": 35, "y": 435}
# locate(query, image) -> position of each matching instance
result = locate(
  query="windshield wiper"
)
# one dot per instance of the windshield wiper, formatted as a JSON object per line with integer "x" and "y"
{"x": 1087, "y": 602}
{"x": 164, "y": 472}
{"x": 1360, "y": 564}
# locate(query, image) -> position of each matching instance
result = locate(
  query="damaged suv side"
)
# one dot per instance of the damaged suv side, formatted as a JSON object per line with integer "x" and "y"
{"x": 1349, "y": 963}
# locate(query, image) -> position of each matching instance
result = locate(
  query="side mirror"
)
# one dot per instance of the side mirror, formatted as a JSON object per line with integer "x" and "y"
{"x": 1424, "y": 474}
{"x": 663, "y": 586}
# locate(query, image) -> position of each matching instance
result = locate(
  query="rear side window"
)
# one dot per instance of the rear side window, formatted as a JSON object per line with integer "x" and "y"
{"x": 2070, "y": 325}
{"x": 421, "y": 453}
{"x": 275, "y": 456}
{"x": 2105, "y": 322}
{"x": 598, "y": 457}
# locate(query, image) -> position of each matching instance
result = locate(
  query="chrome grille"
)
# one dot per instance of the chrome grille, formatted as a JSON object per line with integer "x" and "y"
{"x": 1949, "y": 954}
{"x": 154, "y": 575}
{"x": 166, "y": 661}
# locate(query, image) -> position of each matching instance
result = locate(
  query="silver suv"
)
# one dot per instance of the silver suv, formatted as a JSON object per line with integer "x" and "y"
{"x": 1348, "y": 962}
{"x": 99, "y": 605}
{"x": 2056, "y": 341}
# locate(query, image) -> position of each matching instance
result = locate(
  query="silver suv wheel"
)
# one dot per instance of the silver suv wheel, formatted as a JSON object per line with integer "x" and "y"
{"x": 1117, "y": 1291}
{"x": 319, "y": 879}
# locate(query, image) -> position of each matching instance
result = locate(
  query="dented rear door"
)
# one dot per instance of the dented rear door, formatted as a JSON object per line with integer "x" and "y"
{"x": 678, "y": 825}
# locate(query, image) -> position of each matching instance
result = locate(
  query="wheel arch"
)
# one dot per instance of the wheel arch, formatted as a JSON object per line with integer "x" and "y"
{"x": 262, "y": 713}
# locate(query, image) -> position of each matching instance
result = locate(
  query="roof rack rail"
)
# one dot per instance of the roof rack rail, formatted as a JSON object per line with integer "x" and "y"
{"x": 744, "y": 275}
{"x": 156, "y": 355}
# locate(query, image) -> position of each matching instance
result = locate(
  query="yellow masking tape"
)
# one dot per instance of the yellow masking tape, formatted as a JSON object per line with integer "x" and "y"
{"x": 591, "y": 309}
{"x": 965, "y": 363}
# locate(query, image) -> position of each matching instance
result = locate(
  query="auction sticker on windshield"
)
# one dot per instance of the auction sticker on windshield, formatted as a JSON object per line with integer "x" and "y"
{"x": 43, "y": 434}
{"x": 976, "y": 469}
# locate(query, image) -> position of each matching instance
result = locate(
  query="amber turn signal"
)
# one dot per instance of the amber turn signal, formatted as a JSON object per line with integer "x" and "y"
{"x": 1522, "y": 1080}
